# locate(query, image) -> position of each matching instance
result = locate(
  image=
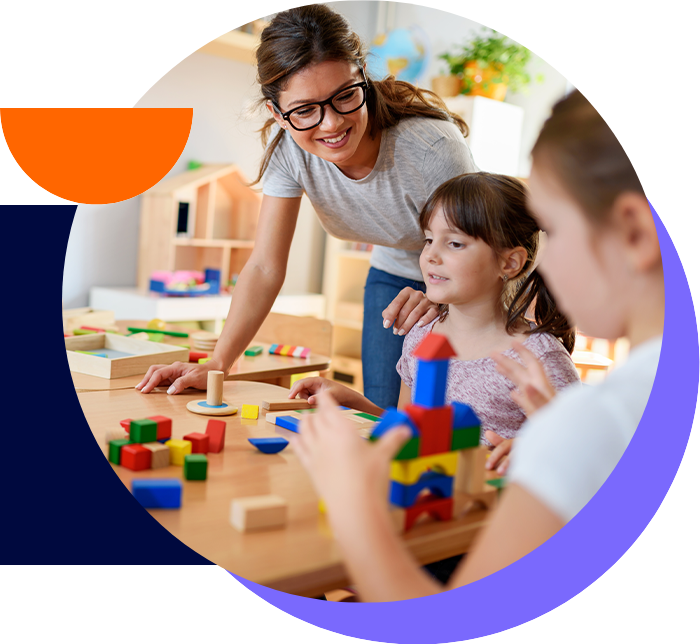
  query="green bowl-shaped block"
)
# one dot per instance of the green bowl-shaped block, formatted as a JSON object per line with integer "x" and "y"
{"x": 196, "y": 467}
{"x": 367, "y": 416}
{"x": 115, "y": 450}
{"x": 465, "y": 438}
{"x": 143, "y": 431}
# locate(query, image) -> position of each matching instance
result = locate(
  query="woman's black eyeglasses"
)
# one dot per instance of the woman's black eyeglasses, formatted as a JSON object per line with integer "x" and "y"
{"x": 346, "y": 101}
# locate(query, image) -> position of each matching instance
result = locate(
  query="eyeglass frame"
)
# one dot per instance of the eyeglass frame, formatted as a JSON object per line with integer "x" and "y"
{"x": 322, "y": 104}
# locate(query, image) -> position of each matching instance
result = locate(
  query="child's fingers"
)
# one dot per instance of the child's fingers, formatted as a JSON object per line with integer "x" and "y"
{"x": 511, "y": 369}
{"x": 389, "y": 444}
{"x": 493, "y": 437}
{"x": 536, "y": 397}
{"x": 527, "y": 356}
{"x": 497, "y": 454}
{"x": 505, "y": 464}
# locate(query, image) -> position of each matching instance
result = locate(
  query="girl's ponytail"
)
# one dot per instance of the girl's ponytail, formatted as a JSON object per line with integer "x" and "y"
{"x": 548, "y": 318}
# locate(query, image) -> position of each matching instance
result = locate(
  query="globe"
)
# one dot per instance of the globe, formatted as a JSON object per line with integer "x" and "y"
{"x": 403, "y": 53}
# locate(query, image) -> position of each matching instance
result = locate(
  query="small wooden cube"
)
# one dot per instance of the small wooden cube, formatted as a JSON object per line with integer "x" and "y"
{"x": 196, "y": 466}
{"x": 115, "y": 450}
{"x": 114, "y": 434}
{"x": 250, "y": 411}
{"x": 143, "y": 430}
{"x": 135, "y": 457}
{"x": 200, "y": 442}
{"x": 164, "y": 427}
{"x": 160, "y": 455}
{"x": 258, "y": 512}
{"x": 216, "y": 430}
{"x": 178, "y": 451}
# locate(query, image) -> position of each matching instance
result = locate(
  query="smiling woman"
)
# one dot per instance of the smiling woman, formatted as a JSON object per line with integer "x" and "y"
{"x": 367, "y": 153}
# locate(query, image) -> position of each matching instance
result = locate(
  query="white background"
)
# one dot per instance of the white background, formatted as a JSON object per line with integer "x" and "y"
{"x": 635, "y": 61}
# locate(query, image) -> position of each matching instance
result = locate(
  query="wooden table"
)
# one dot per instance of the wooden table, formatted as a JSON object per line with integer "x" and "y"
{"x": 271, "y": 369}
{"x": 302, "y": 558}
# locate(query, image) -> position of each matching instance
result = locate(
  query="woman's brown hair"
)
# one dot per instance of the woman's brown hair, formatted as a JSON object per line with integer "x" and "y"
{"x": 313, "y": 34}
{"x": 493, "y": 208}
{"x": 578, "y": 147}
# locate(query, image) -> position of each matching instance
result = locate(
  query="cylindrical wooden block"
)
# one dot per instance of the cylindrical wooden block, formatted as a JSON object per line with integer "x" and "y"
{"x": 215, "y": 388}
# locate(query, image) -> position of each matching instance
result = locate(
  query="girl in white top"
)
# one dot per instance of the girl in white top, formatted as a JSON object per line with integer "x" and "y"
{"x": 603, "y": 263}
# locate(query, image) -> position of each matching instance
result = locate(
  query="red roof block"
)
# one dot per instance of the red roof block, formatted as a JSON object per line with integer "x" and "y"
{"x": 434, "y": 347}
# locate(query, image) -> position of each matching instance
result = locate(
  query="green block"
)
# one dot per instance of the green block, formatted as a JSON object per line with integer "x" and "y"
{"x": 465, "y": 438}
{"x": 253, "y": 351}
{"x": 155, "y": 337}
{"x": 143, "y": 431}
{"x": 83, "y": 332}
{"x": 409, "y": 450}
{"x": 196, "y": 467}
{"x": 115, "y": 450}
{"x": 499, "y": 484}
{"x": 367, "y": 416}
{"x": 313, "y": 410}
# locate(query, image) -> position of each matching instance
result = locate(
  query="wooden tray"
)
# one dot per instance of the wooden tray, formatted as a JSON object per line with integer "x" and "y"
{"x": 126, "y": 356}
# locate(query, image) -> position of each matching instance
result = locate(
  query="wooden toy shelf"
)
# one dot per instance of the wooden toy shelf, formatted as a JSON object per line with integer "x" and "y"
{"x": 204, "y": 218}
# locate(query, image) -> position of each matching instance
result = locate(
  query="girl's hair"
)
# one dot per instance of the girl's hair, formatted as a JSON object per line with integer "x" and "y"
{"x": 304, "y": 36}
{"x": 579, "y": 148}
{"x": 492, "y": 207}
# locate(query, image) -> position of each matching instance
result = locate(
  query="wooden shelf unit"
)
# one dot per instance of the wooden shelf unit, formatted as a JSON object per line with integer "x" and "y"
{"x": 204, "y": 218}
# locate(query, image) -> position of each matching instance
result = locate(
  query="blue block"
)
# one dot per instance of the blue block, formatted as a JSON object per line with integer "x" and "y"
{"x": 463, "y": 416}
{"x": 391, "y": 418}
{"x": 273, "y": 348}
{"x": 288, "y": 422}
{"x": 431, "y": 382}
{"x": 405, "y": 496}
{"x": 269, "y": 445}
{"x": 157, "y": 493}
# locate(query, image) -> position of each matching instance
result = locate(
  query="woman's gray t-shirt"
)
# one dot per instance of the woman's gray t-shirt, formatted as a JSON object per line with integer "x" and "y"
{"x": 415, "y": 157}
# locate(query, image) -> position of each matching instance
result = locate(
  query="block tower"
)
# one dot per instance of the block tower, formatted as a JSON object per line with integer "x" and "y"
{"x": 444, "y": 445}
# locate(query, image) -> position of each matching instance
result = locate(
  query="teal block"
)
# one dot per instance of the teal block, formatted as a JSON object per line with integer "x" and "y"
{"x": 196, "y": 467}
{"x": 143, "y": 431}
{"x": 465, "y": 438}
{"x": 115, "y": 450}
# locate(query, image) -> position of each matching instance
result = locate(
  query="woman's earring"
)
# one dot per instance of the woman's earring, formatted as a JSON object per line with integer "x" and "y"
{"x": 504, "y": 278}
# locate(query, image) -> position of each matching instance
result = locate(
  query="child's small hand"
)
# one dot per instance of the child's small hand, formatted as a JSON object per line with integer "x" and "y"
{"x": 533, "y": 388}
{"x": 499, "y": 458}
{"x": 409, "y": 307}
{"x": 308, "y": 388}
{"x": 343, "y": 466}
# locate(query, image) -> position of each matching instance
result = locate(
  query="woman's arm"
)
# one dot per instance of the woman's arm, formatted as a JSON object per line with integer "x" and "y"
{"x": 257, "y": 287}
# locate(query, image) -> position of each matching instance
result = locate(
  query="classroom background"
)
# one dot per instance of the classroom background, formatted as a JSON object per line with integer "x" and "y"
{"x": 111, "y": 256}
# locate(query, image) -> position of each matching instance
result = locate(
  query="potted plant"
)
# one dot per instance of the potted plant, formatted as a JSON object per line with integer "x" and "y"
{"x": 490, "y": 65}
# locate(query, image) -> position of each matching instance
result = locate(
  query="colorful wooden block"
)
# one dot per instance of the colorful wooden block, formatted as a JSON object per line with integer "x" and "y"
{"x": 126, "y": 424}
{"x": 284, "y": 404}
{"x": 164, "y": 426}
{"x": 405, "y": 496}
{"x": 301, "y": 352}
{"x": 434, "y": 426}
{"x": 434, "y": 347}
{"x": 157, "y": 493}
{"x": 250, "y": 411}
{"x": 160, "y": 455}
{"x": 362, "y": 414}
{"x": 438, "y": 508}
{"x": 216, "y": 430}
{"x": 284, "y": 351}
{"x": 409, "y": 450}
{"x": 178, "y": 450}
{"x": 196, "y": 356}
{"x": 200, "y": 442}
{"x": 409, "y": 471}
{"x": 143, "y": 431}
{"x": 269, "y": 445}
{"x": 431, "y": 382}
{"x": 115, "y": 449}
{"x": 391, "y": 418}
{"x": 114, "y": 434}
{"x": 195, "y": 467}
{"x": 135, "y": 457}
{"x": 253, "y": 351}
{"x": 258, "y": 513}
{"x": 463, "y": 416}
{"x": 288, "y": 422}
{"x": 465, "y": 438}
{"x": 203, "y": 360}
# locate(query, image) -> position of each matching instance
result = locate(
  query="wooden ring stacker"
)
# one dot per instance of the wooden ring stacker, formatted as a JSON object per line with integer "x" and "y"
{"x": 214, "y": 405}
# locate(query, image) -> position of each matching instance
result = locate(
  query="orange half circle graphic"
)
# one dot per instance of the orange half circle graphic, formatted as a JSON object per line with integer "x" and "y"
{"x": 96, "y": 155}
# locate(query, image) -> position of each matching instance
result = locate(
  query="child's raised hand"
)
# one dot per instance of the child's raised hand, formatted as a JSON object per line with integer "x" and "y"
{"x": 344, "y": 467}
{"x": 409, "y": 307}
{"x": 499, "y": 459}
{"x": 533, "y": 388}
{"x": 308, "y": 388}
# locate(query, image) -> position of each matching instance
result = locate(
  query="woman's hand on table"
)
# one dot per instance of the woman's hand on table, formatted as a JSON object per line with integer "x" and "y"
{"x": 178, "y": 376}
{"x": 409, "y": 307}
{"x": 499, "y": 459}
{"x": 533, "y": 387}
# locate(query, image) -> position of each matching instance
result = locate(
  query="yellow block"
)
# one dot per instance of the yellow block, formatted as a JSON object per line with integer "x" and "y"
{"x": 284, "y": 351}
{"x": 250, "y": 412}
{"x": 321, "y": 506}
{"x": 408, "y": 472}
{"x": 203, "y": 360}
{"x": 178, "y": 451}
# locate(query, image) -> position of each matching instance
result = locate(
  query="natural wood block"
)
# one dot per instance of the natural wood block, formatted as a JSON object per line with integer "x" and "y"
{"x": 284, "y": 404}
{"x": 258, "y": 512}
{"x": 160, "y": 455}
{"x": 471, "y": 470}
{"x": 114, "y": 434}
{"x": 215, "y": 388}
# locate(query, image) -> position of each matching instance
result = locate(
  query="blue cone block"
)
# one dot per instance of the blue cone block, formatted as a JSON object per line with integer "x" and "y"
{"x": 405, "y": 496}
{"x": 463, "y": 416}
{"x": 288, "y": 422}
{"x": 157, "y": 493}
{"x": 431, "y": 382}
{"x": 269, "y": 445}
{"x": 391, "y": 418}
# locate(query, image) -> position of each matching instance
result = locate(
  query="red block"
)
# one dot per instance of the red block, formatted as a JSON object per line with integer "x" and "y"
{"x": 439, "y": 508}
{"x": 126, "y": 424}
{"x": 165, "y": 426}
{"x": 434, "y": 426}
{"x": 197, "y": 355}
{"x": 136, "y": 457}
{"x": 216, "y": 430}
{"x": 200, "y": 442}
{"x": 92, "y": 328}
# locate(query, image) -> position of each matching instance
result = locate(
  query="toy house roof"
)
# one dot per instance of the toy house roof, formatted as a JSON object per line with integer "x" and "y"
{"x": 434, "y": 347}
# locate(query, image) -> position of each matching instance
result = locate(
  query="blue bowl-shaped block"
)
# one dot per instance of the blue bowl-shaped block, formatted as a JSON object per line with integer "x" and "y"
{"x": 405, "y": 496}
{"x": 157, "y": 493}
{"x": 269, "y": 445}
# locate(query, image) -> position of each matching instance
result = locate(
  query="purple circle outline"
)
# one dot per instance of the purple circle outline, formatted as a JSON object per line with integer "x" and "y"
{"x": 585, "y": 548}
